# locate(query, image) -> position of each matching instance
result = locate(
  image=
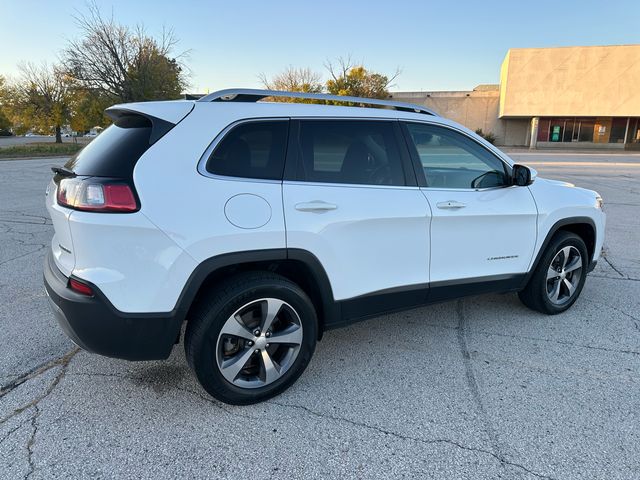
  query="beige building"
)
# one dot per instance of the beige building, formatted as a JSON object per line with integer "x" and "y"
{"x": 553, "y": 97}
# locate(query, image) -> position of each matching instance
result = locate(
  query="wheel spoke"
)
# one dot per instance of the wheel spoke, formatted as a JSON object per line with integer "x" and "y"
{"x": 234, "y": 326}
{"x": 231, "y": 367}
{"x": 292, "y": 335}
{"x": 273, "y": 307}
{"x": 556, "y": 291}
{"x": 566, "y": 251}
{"x": 551, "y": 273}
{"x": 569, "y": 286}
{"x": 574, "y": 265}
{"x": 253, "y": 366}
{"x": 271, "y": 372}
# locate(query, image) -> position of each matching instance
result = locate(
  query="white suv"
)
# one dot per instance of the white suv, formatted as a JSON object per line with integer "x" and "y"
{"x": 262, "y": 224}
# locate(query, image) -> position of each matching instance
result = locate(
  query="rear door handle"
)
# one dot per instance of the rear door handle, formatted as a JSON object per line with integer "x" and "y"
{"x": 315, "y": 206}
{"x": 450, "y": 204}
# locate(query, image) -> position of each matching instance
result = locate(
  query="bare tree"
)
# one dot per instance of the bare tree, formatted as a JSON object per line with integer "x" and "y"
{"x": 124, "y": 63}
{"x": 294, "y": 80}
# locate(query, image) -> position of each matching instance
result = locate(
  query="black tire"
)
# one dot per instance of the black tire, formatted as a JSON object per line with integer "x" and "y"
{"x": 210, "y": 315}
{"x": 535, "y": 294}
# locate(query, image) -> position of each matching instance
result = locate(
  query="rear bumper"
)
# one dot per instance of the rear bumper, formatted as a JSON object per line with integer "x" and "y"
{"x": 95, "y": 325}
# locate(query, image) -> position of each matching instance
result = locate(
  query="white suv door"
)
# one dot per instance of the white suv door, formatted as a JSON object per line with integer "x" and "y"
{"x": 351, "y": 199}
{"x": 483, "y": 227}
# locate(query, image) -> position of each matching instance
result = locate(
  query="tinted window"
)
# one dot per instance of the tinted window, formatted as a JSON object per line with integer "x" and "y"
{"x": 343, "y": 151}
{"x": 252, "y": 150}
{"x": 452, "y": 160}
{"x": 115, "y": 151}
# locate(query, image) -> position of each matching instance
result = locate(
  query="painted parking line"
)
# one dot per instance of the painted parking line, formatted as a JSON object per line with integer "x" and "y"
{"x": 573, "y": 154}
{"x": 587, "y": 164}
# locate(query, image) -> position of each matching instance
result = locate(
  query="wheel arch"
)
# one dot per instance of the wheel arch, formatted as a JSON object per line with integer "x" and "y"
{"x": 584, "y": 227}
{"x": 299, "y": 266}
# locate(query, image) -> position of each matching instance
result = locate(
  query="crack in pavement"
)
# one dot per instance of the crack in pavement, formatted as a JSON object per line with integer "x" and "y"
{"x": 559, "y": 342}
{"x": 606, "y": 259}
{"x": 20, "y": 222}
{"x": 32, "y": 441}
{"x": 634, "y": 319}
{"x": 13, "y": 430}
{"x": 623, "y": 279}
{"x": 42, "y": 247}
{"x": 503, "y": 461}
{"x": 472, "y": 382}
{"x": 204, "y": 397}
{"x": 62, "y": 361}
{"x": 538, "y": 339}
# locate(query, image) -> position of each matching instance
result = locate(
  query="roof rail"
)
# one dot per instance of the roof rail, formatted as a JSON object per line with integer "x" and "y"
{"x": 254, "y": 95}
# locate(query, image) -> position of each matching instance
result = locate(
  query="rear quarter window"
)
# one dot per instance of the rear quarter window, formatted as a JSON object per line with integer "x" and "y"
{"x": 252, "y": 150}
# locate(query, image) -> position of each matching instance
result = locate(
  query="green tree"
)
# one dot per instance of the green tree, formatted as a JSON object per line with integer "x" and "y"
{"x": 125, "y": 64}
{"x": 357, "y": 81}
{"x": 39, "y": 99}
{"x": 5, "y": 123}
{"x": 87, "y": 109}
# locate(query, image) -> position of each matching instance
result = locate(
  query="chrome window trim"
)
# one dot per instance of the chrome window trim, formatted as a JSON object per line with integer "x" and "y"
{"x": 202, "y": 163}
{"x": 350, "y": 185}
{"x": 440, "y": 189}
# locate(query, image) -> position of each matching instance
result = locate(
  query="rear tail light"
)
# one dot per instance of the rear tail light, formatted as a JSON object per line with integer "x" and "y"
{"x": 80, "y": 287}
{"x": 96, "y": 195}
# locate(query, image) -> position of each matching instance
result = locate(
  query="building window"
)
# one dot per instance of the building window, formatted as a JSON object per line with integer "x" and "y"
{"x": 618, "y": 127}
{"x": 569, "y": 124}
{"x": 596, "y": 130}
{"x": 543, "y": 129}
{"x": 634, "y": 131}
{"x": 585, "y": 132}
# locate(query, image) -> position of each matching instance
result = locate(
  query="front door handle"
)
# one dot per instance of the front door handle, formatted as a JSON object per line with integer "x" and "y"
{"x": 315, "y": 206}
{"x": 450, "y": 204}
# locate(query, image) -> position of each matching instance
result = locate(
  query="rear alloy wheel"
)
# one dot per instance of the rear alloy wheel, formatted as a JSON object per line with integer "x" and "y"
{"x": 252, "y": 339}
{"x": 259, "y": 343}
{"x": 559, "y": 276}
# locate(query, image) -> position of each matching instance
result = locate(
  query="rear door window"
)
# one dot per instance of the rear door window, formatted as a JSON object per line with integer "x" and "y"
{"x": 349, "y": 151}
{"x": 252, "y": 150}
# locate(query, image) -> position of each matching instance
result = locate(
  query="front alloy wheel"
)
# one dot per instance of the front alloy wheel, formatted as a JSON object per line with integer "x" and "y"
{"x": 559, "y": 276}
{"x": 563, "y": 275}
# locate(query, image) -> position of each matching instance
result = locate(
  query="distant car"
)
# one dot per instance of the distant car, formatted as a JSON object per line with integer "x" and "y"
{"x": 30, "y": 134}
{"x": 263, "y": 224}
{"x": 66, "y": 135}
{"x": 91, "y": 134}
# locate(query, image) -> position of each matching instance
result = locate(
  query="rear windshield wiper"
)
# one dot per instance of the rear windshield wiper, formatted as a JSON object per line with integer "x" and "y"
{"x": 63, "y": 171}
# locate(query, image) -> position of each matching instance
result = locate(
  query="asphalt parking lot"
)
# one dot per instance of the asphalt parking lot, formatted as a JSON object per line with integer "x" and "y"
{"x": 477, "y": 388}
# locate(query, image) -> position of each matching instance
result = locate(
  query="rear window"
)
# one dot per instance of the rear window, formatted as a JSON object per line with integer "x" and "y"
{"x": 252, "y": 150}
{"x": 115, "y": 151}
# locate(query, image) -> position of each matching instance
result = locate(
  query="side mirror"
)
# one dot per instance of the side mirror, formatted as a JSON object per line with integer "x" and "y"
{"x": 522, "y": 176}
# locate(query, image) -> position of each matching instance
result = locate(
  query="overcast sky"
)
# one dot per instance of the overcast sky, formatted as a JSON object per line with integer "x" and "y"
{"x": 438, "y": 45}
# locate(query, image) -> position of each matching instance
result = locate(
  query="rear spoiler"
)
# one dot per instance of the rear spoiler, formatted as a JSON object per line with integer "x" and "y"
{"x": 162, "y": 116}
